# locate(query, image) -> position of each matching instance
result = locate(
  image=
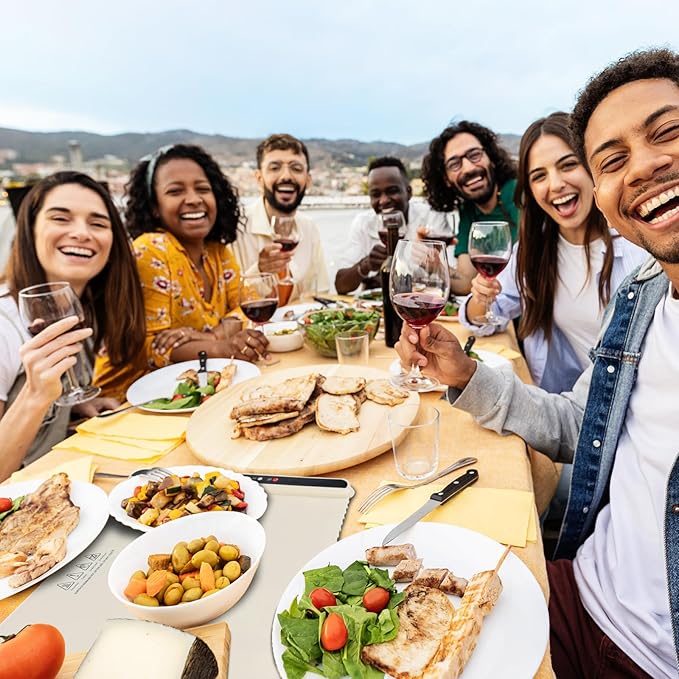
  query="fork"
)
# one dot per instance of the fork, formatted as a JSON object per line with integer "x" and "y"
{"x": 388, "y": 488}
{"x": 154, "y": 473}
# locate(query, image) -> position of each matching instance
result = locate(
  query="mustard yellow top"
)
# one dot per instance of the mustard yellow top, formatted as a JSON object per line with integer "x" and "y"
{"x": 173, "y": 298}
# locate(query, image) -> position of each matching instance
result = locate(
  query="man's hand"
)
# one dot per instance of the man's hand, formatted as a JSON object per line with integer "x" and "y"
{"x": 377, "y": 256}
{"x": 272, "y": 259}
{"x": 438, "y": 353}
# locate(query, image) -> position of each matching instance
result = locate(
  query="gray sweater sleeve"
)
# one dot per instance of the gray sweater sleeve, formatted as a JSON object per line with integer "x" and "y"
{"x": 550, "y": 423}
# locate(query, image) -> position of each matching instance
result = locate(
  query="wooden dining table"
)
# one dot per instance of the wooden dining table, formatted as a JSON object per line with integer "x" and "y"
{"x": 503, "y": 461}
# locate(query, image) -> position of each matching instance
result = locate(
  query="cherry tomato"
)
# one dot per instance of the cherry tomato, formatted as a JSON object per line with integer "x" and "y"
{"x": 238, "y": 493}
{"x": 322, "y": 597}
{"x": 376, "y": 600}
{"x": 176, "y": 397}
{"x": 334, "y": 633}
{"x": 36, "y": 652}
{"x": 5, "y": 504}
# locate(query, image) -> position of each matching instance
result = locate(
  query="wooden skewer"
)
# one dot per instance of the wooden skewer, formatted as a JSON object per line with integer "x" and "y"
{"x": 502, "y": 558}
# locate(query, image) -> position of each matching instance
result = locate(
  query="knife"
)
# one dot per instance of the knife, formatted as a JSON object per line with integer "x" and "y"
{"x": 437, "y": 499}
{"x": 202, "y": 371}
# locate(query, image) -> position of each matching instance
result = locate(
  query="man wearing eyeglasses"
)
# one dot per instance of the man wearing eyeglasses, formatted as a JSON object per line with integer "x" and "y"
{"x": 467, "y": 170}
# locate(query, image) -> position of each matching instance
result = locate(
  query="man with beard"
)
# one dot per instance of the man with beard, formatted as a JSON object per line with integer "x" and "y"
{"x": 389, "y": 191}
{"x": 614, "y": 590}
{"x": 283, "y": 177}
{"x": 467, "y": 170}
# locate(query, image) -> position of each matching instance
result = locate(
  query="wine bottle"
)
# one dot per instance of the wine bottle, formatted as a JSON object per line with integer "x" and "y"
{"x": 392, "y": 321}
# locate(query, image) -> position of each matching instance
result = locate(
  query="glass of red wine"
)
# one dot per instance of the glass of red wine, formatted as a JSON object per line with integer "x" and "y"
{"x": 390, "y": 218}
{"x": 44, "y": 304}
{"x": 287, "y": 235}
{"x": 419, "y": 284}
{"x": 490, "y": 247}
{"x": 258, "y": 297}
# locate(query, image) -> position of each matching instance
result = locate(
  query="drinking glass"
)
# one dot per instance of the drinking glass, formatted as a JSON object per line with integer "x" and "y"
{"x": 353, "y": 347}
{"x": 258, "y": 297}
{"x": 287, "y": 235}
{"x": 414, "y": 433}
{"x": 490, "y": 247}
{"x": 419, "y": 284}
{"x": 391, "y": 218}
{"x": 45, "y": 304}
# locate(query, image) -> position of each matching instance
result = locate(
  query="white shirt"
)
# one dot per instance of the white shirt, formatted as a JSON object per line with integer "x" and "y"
{"x": 577, "y": 310}
{"x": 12, "y": 336}
{"x": 308, "y": 267}
{"x": 620, "y": 569}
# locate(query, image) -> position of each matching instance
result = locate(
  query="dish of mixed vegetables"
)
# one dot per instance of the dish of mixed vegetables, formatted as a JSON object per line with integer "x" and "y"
{"x": 155, "y": 503}
{"x": 320, "y": 327}
{"x": 340, "y": 612}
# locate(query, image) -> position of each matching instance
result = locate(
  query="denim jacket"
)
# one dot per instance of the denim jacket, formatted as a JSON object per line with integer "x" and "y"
{"x": 584, "y": 426}
{"x": 553, "y": 363}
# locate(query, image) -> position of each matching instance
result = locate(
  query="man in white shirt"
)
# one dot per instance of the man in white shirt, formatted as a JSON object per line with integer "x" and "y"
{"x": 283, "y": 177}
{"x": 389, "y": 190}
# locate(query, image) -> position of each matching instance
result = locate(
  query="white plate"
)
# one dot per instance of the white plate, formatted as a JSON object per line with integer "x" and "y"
{"x": 255, "y": 495}
{"x": 295, "y": 310}
{"x": 506, "y": 648}
{"x": 93, "y": 516}
{"x": 161, "y": 383}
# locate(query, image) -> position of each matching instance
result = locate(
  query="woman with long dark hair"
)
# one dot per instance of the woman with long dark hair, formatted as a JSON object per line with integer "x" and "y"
{"x": 565, "y": 266}
{"x": 183, "y": 214}
{"x": 68, "y": 229}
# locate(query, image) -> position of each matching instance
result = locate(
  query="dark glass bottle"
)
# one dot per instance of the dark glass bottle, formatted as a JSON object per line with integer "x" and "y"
{"x": 392, "y": 321}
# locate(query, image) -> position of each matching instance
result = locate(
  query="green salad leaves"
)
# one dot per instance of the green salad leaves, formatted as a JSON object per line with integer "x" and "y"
{"x": 186, "y": 395}
{"x": 320, "y": 327}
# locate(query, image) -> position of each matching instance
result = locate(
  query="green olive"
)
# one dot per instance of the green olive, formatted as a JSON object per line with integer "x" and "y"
{"x": 222, "y": 582}
{"x": 146, "y": 600}
{"x": 195, "y": 545}
{"x": 173, "y": 594}
{"x": 212, "y": 546}
{"x": 218, "y": 573}
{"x": 190, "y": 583}
{"x": 228, "y": 552}
{"x": 231, "y": 570}
{"x": 210, "y": 591}
{"x": 204, "y": 556}
{"x": 211, "y": 537}
{"x": 138, "y": 575}
{"x": 172, "y": 578}
{"x": 192, "y": 594}
{"x": 180, "y": 557}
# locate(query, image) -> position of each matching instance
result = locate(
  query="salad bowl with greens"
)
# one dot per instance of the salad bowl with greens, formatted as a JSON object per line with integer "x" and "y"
{"x": 321, "y": 327}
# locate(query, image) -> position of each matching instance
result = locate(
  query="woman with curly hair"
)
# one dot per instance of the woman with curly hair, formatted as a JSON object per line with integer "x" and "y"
{"x": 183, "y": 214}
{"x": 466, "y": 170}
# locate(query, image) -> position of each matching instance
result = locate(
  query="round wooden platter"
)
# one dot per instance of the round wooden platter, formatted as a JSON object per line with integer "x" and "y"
{"x": 310, "y": 451}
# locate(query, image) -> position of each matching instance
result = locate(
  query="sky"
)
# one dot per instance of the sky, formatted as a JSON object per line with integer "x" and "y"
{"x": 396, "y": 70}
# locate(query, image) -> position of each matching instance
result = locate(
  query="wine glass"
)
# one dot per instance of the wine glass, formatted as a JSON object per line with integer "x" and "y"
{"x": 390, "y": 218}
{"x": 490, "y": 247}
{"x": 419, "y": 284}
{"x": 287, "y": 235}
{"x": 258, "y": 297}
{"x": 45, "y": 304}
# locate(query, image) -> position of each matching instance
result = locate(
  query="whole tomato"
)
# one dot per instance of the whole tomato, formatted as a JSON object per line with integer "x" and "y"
{"x": 36, "y": 652}
{"x": 376, "y": 600}
{"x": 334, "y": 633}
{"x": 322, "y": 597}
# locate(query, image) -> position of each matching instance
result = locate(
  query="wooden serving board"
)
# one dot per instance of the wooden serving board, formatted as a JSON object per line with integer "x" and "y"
{"x": 216, "y": 636}
{"x": 310, "y": 451}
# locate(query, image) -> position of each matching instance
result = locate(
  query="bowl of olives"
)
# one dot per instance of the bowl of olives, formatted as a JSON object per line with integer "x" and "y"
{"x": 186, "y": 573}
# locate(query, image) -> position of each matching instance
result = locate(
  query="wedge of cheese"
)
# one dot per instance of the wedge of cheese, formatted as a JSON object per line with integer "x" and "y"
{"x": 130, "y": 648}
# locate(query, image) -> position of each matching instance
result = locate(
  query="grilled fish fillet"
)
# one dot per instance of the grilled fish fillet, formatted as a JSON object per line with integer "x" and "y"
{"x": 337, "y": 413}
{"x": 297, "y": 388}
{"x": 343, "y": 385}
{"x": 266, "y": 406}
{"x": 385, "y": 393}
{"x": 425, "y": 616}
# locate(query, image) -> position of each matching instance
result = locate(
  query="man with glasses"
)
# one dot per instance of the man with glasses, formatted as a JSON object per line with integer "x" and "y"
{"x": 467, "y": 170}
{"x": 283, "y": 177}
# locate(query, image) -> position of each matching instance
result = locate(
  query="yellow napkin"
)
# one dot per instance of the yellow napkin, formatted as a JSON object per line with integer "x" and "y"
{"x": 107, "y": 447}
{"x": 501, "y": 350}
{"x": 133, "y": 425}
{"x": 507, "y": 516}
{"x": 79, "y": 469}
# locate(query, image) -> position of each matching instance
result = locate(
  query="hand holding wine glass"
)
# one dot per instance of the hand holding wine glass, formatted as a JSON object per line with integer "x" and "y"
{"x": 258, "y": 298}
{"x": 45, "y": 310}
{"x": 490, "y": 247}
{"x": 287, "y": 235}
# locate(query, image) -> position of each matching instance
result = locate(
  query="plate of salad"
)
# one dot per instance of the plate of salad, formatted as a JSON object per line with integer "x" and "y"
{"x": 174, "y": 389}
{"x": 450, "y": 311}
{"x": 505, "y": 649}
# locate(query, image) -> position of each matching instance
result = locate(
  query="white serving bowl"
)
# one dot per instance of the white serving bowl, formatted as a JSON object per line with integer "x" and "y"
{"x": 281, "y": 343}
{"x": 229, "y": 527}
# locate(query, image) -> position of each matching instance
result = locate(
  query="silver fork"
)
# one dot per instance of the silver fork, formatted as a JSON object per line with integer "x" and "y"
{"x": 153, "y": 473}
{"x": 388, "y": 488}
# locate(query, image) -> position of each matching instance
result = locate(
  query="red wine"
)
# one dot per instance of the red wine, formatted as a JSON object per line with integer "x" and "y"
{"x": 448, "y": 240}
{"x": 418, "y": 309}
{"x": 261, "y": 310}
{"x": 39, "y": 324}
{"x": 489, "y": 266}
{"x": 287, "y": 244}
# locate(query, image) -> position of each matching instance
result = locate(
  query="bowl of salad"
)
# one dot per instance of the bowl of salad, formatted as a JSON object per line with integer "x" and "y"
{"x": 321, "y": 327}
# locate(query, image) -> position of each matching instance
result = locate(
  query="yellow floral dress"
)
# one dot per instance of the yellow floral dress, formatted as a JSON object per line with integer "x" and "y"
{"x": 173, "y": 298}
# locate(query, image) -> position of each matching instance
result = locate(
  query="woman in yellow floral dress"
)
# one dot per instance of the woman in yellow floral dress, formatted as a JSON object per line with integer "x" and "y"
{"x": 183, "y": 214}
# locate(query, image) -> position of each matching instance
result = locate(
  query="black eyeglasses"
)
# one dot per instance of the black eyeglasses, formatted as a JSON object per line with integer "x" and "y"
{"x": 454, "y": 163}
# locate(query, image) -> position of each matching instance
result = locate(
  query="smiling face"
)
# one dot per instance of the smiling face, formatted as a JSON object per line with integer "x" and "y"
{"x": 283, "y": 178}
{"x": 632, "y": 147}
{"x": 73, "y": 235}
{"x": 474, "y": 181}
{"x": 186, "y": 203}
{"x": 388, "y": 190}
{"x": 561, "y": 186}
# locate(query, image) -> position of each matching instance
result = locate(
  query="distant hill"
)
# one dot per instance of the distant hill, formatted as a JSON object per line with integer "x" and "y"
{"x": 33, "y": 147}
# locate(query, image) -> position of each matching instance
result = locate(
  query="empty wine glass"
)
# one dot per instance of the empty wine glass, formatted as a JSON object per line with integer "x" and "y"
{"x": 390, "y": 218}
{"x": 287, "y": 235}
{"x": 258, "y": 297}
{"x": 490, "y": 247}
{"x": 419, "y": 284}
{"x": 45, "y": 304}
